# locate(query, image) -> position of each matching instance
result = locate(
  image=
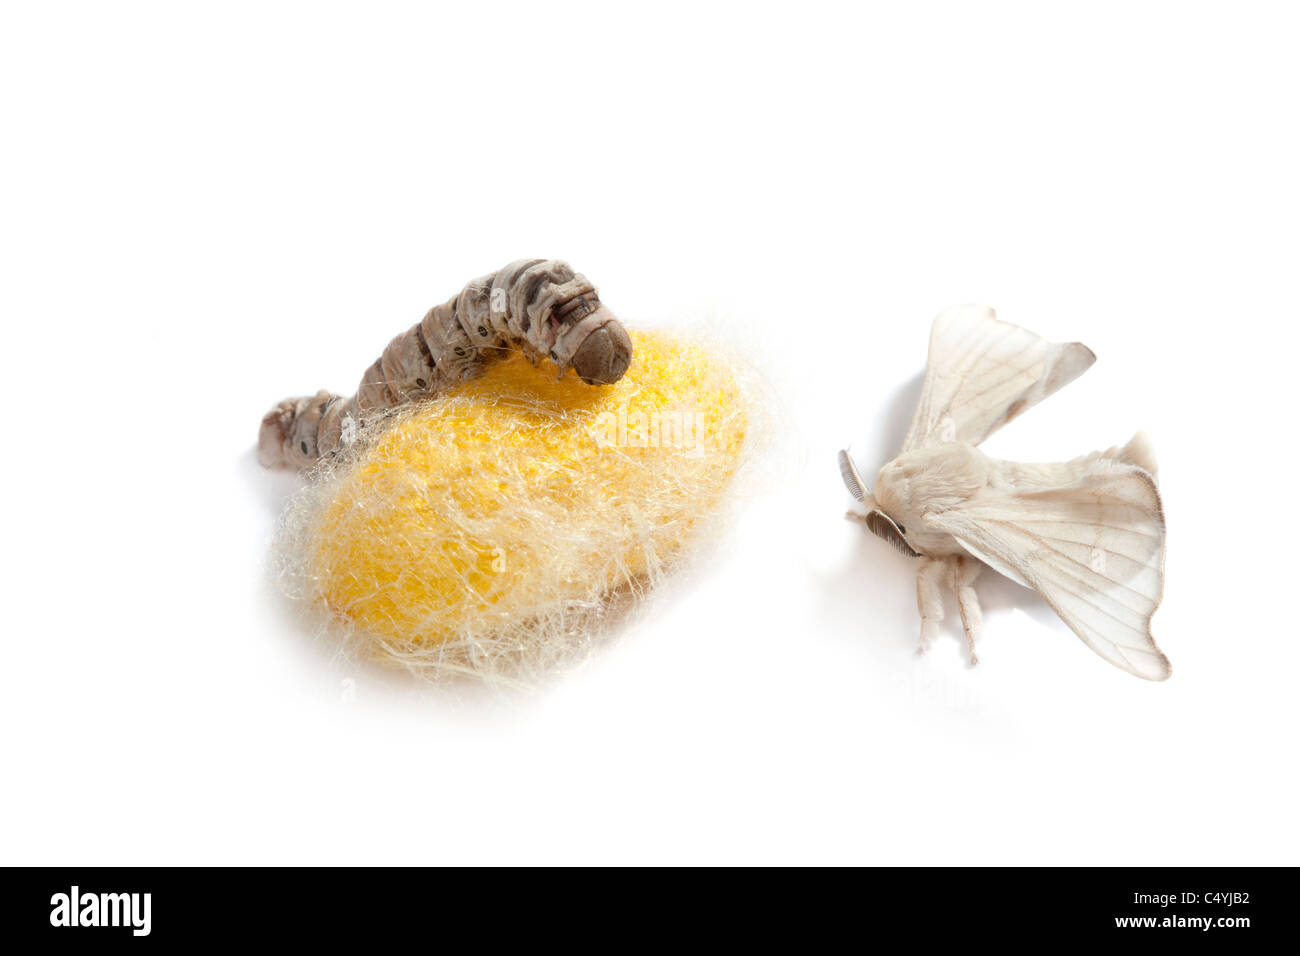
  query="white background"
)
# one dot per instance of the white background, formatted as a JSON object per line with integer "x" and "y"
{"x": 207, "y": 207}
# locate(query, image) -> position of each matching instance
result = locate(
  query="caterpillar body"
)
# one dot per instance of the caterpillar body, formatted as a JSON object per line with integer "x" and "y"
{"x": 540, "y": 307}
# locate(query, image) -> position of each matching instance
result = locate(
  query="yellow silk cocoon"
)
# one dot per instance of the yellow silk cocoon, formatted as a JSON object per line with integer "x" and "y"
{"x": 498, "y": 525}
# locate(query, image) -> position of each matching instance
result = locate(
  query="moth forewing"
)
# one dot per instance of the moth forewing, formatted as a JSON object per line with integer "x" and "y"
{"x": 983, "y": 372}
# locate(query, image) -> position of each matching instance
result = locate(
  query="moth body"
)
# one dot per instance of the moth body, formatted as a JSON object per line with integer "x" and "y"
{"x": 1087, "y": 534}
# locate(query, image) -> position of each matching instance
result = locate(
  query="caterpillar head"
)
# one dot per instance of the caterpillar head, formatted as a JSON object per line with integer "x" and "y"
{"x": 587, "y": 337}
{"x": 596, "y": 346}
{"x": 604, "y": 353}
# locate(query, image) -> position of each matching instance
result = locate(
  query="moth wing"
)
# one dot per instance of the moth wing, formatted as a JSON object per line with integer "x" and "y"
{"x": 1094, "y": 549}
{"x": 983, "y": 372}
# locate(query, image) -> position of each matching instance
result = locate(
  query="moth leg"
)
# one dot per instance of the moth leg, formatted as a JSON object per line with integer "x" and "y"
{"x": 964, "y": 572}
{"x": 929, "y": 600}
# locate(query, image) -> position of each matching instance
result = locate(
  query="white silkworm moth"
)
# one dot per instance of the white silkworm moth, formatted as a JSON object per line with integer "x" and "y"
{"x": 540, "y": 307}
{"x": 1088, "y": 534}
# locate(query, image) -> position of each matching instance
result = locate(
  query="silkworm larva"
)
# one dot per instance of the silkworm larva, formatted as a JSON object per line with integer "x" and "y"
{"x": 538, "y": 306}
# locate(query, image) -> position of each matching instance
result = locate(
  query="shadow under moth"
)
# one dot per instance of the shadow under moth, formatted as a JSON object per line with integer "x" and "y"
{"x": 1088, "y": 534}
{"x": 539, "y": 307}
